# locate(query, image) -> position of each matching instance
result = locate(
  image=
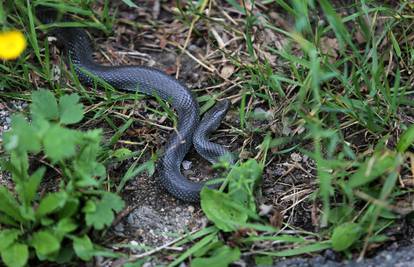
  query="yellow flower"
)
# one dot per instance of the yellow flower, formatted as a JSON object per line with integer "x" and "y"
{"x": 12, "y": 44}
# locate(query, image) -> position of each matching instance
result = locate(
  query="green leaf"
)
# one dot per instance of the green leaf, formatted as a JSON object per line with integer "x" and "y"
{"x": 406, "y": 140}
{"x": 22, "y": 137}
{"x": 340, "y": 214}
{"x": 66, "y": 225}
{"x": 60, "y": 143}
{"x": 262, "y": 261}
{"x": 27, "y": 189}
{"x": 89, "y": 207}
{"x": 223, "y": 257}
{"x": 7, "y": 220}
{"x": 45, "y": 243}
{"x": 374, "y": 167}
{"x": 103, "y": 215}
{"x": 133, "y": 171}
{"x": 86, "y": 165}
{"x": 138, "y": 263}
{"x": 51, "y": 203}
{"x": 9, "y": 205}
{"x": 129, "y": 3}
{"x": 121, "y": 152}
{"x": 345, "y": 235}
{"x": 7, "y": 237}
{"x": 336, "y": 23}
{"x": 300, "y": 250}
{"x": 242, "y": 182}
{"x": 196, "y": 247}
{"x": 70, "y": 110}
{"x": 83, "y": 247}
{"x": 71, "y": 207}
{"x": 219, "y": 209}
{"x": 16, "y": 255}
{"x": 395, "y": 44}
{"x": 65, "y": 255}
{"x": 44, "y": 105}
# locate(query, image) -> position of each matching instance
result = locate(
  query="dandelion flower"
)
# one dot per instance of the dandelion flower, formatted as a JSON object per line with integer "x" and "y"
{"x": 12, "y": 44}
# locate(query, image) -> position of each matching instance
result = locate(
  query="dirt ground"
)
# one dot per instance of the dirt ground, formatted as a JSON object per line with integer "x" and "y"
{"x": 153, "y": 218}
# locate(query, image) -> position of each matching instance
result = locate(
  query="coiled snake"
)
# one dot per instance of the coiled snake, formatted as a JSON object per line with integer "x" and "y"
{"x": 190, "y": 130}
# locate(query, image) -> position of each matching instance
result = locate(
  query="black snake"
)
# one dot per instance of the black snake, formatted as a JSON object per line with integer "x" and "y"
{"x": 190, "y": 130}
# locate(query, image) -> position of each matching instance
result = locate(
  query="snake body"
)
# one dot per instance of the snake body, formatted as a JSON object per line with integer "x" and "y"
{"x": 190, "y": 131}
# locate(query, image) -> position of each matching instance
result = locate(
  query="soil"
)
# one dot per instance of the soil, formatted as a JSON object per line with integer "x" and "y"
{"x": 153, "y": 217}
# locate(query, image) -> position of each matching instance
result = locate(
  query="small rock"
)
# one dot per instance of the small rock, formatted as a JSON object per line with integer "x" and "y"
{"x": 186, "y": 164}
{"x": 227, "y": 71}
{"x": 296, "y": 157}
{"x": 119, "y": 228}
{"x": 265, "y": 209}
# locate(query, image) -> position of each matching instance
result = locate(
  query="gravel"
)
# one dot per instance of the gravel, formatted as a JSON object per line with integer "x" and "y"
{"x": 394, "y": 256}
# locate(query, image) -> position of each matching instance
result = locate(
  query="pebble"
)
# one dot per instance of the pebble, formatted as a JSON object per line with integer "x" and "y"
{"x": 391, "y": 257}
{"x": 186, "y": 164}
{"x": 296, "y": 157}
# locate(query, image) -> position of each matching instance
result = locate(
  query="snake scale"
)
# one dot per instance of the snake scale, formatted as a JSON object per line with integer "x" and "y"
{"x": 190, "y": 130}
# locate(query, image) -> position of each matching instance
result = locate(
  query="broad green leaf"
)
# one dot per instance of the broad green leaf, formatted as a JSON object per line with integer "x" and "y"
{"x": 83, "y": 247}
{"x": 70, "y": 110}
{"x": 219, "y": 209}
{"x": 235, "y": 4}
{"x": 44, "y": 105}
{"x": 71, "y": 207}
{"x": 65, "y": 255}
{"x": 374, "y": 167}
{"x": 90, "y": 207}
{"x": 138, "y": 263}
{"x": 345, "y": 235}
{"x": 263, "y": 261}
{"x": 406, "y": 139}
{"x": 22, "y": 136}
{"x": 27, "y": 189}
{"x": 340, "y": 214}
{"x": 242, "y": 182}
{"x": 103, "y": 215}
{"x": 20, "y": 166}
{"x": 86, "y": 165}
{"x": 16, "y": 255}
{"x": 45, "y": 243}
{"x": 60, "y": 143}
{"x": 121, "y": 152}
{"x": 51, "y": 203}
{"x": 9, "y": 205}
{"x": 222, "y": 258}
{"x": 7, "y": 237}
{"x": 66, "y": 225}
{"x": 7, "y": 220}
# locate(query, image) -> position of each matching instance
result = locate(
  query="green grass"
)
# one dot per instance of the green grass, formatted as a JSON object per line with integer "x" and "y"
{"x": 338, "y": 90}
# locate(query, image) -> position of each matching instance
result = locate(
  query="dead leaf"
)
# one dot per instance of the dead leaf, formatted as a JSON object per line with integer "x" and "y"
{"x": 330, "y": 47}
{"x": 227, "y": 71}
{"x": 359, "y": 37}
{"x": 276, "y": 220}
